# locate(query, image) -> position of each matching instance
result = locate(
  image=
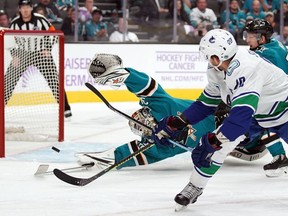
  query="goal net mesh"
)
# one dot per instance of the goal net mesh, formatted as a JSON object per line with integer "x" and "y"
{"x": 31, "y": 87}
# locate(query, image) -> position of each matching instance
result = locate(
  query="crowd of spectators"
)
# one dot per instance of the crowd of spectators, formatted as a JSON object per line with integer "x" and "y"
{"x": 153, "y": 17}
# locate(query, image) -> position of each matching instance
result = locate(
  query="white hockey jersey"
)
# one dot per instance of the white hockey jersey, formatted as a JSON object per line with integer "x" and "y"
{"x": 253, "y": 82}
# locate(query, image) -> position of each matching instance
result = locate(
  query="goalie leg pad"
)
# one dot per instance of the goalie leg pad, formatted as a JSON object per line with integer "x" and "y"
{"x": 249, "y": 154}
{"x": 101, "y": 159}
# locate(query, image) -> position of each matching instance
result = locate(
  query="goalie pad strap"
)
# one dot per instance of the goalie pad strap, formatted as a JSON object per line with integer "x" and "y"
{"x": 269, "y": 139}
{"x": 249, "y": 155}
{"x": 135, "y": 148}
{"x": 240, "y": 153}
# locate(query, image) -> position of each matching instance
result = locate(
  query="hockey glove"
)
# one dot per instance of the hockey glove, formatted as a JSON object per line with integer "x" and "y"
{"x": 221, "y": 113}
{"x": 201, "y": 155}
{"x": 170, "y": 127}
{"x": 107, "y": 69}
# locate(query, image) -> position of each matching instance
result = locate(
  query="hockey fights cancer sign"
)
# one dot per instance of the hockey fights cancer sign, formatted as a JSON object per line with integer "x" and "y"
{"x": 174, "y": 67}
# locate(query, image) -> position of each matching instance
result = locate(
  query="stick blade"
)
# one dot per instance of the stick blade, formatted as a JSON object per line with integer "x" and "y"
{"x": 73, "y": 180}
{"x": 41, "y": 169}
{"x": 67, "y": 178}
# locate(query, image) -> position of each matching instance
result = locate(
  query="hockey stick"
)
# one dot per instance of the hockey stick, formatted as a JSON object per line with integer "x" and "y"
{"x": 84, "y": 181}
{"x": 95, "y": 91}
{"x": 43, "y": 168}
{"x": 99, "y": 159}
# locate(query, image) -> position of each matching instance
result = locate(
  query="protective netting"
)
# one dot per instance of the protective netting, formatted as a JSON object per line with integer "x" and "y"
{"x": 31, "y": 84}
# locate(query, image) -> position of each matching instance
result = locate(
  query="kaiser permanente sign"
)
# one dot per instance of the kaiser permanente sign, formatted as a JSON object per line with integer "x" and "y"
{"x": 178, "y": 68}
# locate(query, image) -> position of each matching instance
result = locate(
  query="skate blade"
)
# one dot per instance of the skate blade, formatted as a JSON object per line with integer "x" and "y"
{"x": 179, "y": 207}
{"x": 277, "y": 172}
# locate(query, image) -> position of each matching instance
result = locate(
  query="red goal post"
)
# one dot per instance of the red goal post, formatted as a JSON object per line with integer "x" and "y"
{"x": 32, "y": 86}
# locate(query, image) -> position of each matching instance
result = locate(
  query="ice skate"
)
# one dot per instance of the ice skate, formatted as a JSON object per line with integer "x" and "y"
{"x": 68, "y": 114}
{"x": 188, "y": 195}
{"x": 277, "y": 167}
{"x": 102, "y": 160}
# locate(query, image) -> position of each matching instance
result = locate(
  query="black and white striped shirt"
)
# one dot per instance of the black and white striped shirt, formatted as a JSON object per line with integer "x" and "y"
{"x": 33, "y": 43}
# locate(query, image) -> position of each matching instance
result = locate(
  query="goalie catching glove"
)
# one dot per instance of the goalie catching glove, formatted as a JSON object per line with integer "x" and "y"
{"x": 107, "y": 69}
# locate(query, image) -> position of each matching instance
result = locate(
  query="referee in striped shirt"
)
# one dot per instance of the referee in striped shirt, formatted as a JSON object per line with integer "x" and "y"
{"x": 32, "y": 51}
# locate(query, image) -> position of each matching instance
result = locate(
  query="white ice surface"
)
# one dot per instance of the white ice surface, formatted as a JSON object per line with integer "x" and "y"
{"x": 238, "y": 189}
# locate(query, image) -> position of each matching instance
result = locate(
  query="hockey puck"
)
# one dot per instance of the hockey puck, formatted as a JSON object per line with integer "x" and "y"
{"x": 55, "y": 149}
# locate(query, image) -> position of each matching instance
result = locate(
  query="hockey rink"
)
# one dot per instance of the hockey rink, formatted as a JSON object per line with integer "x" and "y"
{"x": 239, "y": 188}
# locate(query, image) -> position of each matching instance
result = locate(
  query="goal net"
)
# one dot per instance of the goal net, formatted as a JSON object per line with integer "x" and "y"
{"x": 32, "y": 94}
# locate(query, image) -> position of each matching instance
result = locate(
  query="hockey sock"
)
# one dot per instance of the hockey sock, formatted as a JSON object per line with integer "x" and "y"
{"x": 276, "y": 149}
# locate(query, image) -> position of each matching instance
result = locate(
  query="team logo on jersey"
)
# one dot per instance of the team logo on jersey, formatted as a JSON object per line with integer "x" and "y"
{"x": 143, "y": 102}
{"x": 212, "y": 40}
{"x": 261, "y": 49}
{"x": 191, "y": 132}
{"x": 233, "y": 65}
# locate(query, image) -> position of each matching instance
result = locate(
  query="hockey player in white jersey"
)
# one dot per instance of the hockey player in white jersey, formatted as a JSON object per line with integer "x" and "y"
{"x": 257, "y": 92}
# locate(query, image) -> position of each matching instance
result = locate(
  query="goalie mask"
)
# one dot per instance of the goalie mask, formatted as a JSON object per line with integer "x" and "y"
{"x": 107, "y": 69}
{"x": 144, "y": 116}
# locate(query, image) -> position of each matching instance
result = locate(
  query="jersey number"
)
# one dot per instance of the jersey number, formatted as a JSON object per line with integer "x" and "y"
{"x": 239, "y": 82}
{"x": 228, "y": 100}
